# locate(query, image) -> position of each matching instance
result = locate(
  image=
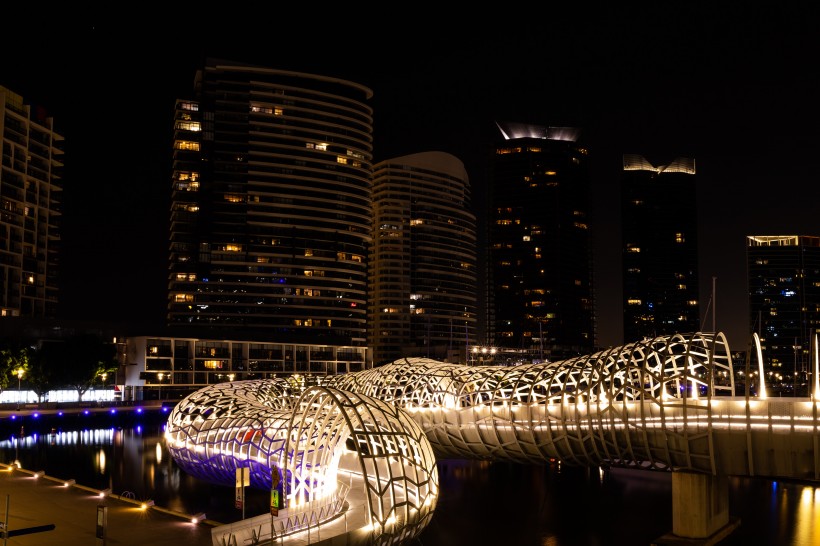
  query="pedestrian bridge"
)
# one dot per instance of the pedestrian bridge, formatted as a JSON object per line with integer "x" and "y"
{"x": 667, "y": 403}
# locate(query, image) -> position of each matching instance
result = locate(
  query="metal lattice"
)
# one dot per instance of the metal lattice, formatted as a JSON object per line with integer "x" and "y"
{"x": 310, "y": 439}
{"x": 620, "y": 406}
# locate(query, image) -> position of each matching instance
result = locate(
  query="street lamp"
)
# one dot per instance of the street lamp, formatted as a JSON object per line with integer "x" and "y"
{"x": 20, "y": 373}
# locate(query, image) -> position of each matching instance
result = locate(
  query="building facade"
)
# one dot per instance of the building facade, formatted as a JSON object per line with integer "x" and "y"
{"x": 784, "y": 303}
{"x": 660, "y": 248}
{"x": 30, "y": 196}
{"x": 271, "y": 207}
{"x": 540, "y": 297}
{"x": 169, "y": 368}
{"x": 423, "y": 293}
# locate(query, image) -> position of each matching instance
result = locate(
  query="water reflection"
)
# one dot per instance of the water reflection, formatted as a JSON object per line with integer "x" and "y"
{"x": 480, "y": 502}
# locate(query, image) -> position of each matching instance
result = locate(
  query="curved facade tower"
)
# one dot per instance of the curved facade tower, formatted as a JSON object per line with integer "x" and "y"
{"x": 423, "y": 259}
{"x": 271, "y": 210}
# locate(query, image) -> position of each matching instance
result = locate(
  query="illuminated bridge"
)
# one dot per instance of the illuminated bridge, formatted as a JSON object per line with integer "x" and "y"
{"x": 667, "y": 403}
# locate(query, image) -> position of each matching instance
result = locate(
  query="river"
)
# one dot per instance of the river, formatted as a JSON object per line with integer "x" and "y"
{"x": 496, "y": 503}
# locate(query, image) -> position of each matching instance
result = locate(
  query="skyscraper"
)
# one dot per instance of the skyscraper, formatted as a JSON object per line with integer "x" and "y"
{"x": 423, "y": 261}
{"x": 660, "y": 248}
{"x": 30, "y": 196}
{"x": 271, "y": 206}
{"x": 784, "y": 300}
{"x": 539, "y": 256}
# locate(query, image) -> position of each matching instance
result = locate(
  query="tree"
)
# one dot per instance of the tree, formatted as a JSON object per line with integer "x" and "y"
{"x": 85, "y": 358}
{"x": 12, "y": 359}
{"x": 43, "y": 368}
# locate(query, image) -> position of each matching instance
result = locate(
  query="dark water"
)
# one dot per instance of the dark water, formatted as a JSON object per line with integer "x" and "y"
{"x": 504, "y": 504}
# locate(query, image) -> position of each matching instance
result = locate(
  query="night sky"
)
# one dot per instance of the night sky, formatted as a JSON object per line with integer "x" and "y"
{"x": 734, "y": 87}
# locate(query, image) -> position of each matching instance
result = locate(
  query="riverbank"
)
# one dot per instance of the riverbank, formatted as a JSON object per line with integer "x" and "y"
{"x": 39, "y": 509}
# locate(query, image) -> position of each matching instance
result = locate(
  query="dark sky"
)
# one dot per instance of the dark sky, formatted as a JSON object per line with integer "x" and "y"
{"x": 734, "y": 87}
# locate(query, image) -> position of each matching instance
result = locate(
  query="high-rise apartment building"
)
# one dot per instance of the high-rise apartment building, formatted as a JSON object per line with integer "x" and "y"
{"x": 271, "y": 206}
{"x": 784, "y": 301}
{"x": 30, "y": 196}
{"x": 660, "y": 248}
{"x": 539, "y": 255}
{"x": 423, "y": 292}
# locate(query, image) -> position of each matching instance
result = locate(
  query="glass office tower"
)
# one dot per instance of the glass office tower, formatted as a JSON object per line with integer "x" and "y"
{"x": 539, "y": 256}
{"x": 784, "y": 304}
{"x": 660, "y": 248}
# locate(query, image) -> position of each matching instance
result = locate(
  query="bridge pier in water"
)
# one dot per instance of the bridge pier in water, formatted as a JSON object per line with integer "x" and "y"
{"x": 700, "y": 509}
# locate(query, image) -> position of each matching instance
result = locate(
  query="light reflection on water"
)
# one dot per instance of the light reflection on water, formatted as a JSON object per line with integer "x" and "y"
{"x": 480, "y": 502}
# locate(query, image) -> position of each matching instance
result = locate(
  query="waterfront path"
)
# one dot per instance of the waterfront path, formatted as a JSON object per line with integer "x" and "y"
{"x": 29, "y": 500}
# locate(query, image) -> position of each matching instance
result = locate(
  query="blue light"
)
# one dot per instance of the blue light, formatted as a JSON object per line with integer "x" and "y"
{"x": 13, "y": 417}
{"x": 139, "y": 410}
{"x": 60, "y": 413}
{"x": 164, "y": 409}
{"x": 35, "y": 415}
{"x": 113, "y": 411}
{"x": 139, "y": 429}
{"x": 86, "y": 412}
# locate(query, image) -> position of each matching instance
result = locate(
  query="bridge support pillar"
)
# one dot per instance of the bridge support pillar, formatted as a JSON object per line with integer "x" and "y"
{"x": 700, "y": 509}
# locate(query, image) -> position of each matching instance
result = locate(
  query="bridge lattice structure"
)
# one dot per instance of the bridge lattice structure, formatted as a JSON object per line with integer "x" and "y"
{"x": 666, "y": 403}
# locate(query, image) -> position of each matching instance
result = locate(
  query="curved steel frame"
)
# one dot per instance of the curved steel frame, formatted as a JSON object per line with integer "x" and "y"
{"x": 624, "y": 406}
{"x": 310, "y": 440}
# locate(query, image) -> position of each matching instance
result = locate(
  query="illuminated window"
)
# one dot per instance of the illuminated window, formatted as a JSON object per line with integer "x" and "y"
{"x": 231, "y": 198}
{"x": 692, "y": 303}
{"x": 213, "y": 364}
{"x": 633, "y": 249}
{"x": 153, "y": 350}
{"x": 259, "y": 109}
{"x": 188, "y": 126}
{"x": 633, "y": 301}
{"x": 681, "y": 287}
{"x": 503, "y": 222}
{"x": 341, "y": 160}
{"x": 233, "y": 248}
{"x": 186, "y": 145}
{"x": 526, "y": 238}
{"x": 417, "y": 311}
{"x": 181, "y": 297}
{"x": 308, "y": 252}
{"x": 679, "y": 238}
{"x": 416, "y": 222}
{"x": 190, "y": 106}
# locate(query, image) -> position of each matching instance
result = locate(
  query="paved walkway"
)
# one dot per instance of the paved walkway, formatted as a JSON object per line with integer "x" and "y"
{"x": 29, "y": 501}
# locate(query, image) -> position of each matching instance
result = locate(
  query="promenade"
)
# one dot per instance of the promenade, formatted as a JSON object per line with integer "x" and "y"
{"x": 28, "y": 501}
{"x": 66, "y": 515}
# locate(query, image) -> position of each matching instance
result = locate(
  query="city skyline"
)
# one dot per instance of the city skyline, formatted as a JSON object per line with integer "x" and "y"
{"x": 733, "y": 91}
